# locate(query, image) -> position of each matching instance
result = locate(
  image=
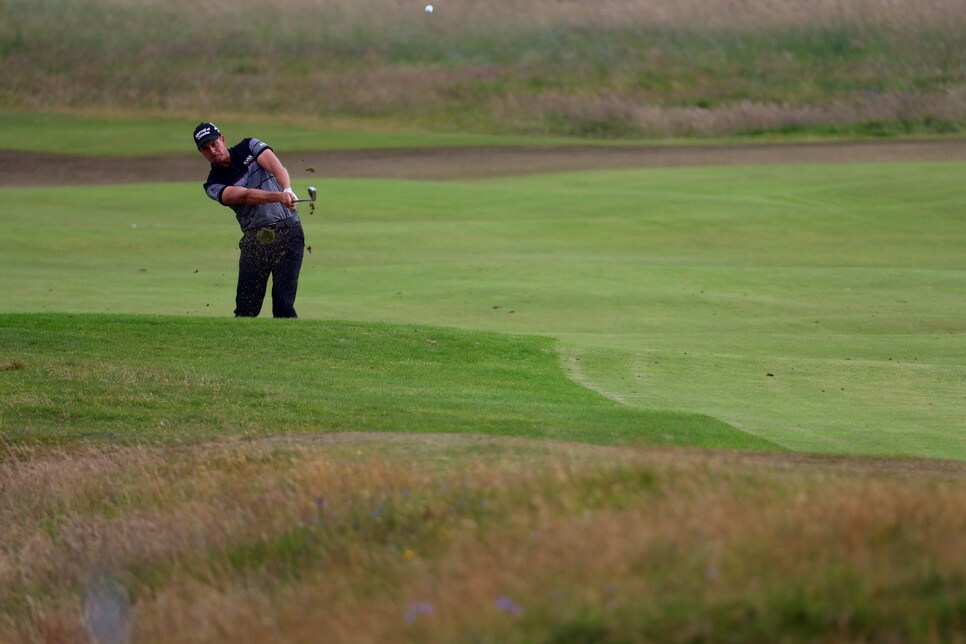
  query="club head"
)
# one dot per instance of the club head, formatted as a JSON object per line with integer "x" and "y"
{"x": 312, "y": 193}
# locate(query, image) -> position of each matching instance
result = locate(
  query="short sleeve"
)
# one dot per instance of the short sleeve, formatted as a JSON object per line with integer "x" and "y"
{"x": 214, "y": 190}
{"x": 257, "y": 147}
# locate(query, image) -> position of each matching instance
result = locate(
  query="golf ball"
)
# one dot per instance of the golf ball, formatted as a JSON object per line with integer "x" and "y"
{"x": 429, "y": 8}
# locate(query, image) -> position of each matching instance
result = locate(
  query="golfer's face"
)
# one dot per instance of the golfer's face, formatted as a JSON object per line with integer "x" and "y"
{"x": 216, "y": 151}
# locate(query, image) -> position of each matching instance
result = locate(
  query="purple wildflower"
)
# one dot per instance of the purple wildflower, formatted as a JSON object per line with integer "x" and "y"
{"x": 507, "y": 605}
{"x": 416, "y": 609}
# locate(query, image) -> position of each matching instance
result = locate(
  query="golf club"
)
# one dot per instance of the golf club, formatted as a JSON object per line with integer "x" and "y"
{"x": 312, "y": 195}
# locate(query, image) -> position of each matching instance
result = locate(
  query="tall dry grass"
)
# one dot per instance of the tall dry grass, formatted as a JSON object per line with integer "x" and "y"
{"x": 362, "y": 538}
{"x": 608, "y": 67}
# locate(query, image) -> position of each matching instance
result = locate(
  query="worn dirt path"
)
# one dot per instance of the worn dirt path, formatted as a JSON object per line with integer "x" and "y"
{"x": 36, "y": 169}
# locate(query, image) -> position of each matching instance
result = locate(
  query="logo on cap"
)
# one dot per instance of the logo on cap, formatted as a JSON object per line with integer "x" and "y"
{"x": 205, "y": 132}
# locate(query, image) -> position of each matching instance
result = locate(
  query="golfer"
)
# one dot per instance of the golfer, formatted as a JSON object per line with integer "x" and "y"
{"x": 249, "y": 179}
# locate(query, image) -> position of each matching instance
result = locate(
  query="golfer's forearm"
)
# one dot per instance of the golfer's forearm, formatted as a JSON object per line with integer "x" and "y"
{"x": 281, "y": 175}
{"x": 270, "y": 162}
{"x": 237, "y": 196}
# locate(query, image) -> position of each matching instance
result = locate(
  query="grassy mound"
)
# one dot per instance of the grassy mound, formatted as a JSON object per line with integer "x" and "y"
{"x": 133, "y": 378}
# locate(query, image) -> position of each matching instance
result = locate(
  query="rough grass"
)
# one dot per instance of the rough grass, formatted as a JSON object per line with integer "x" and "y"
{"x": 440, "y": 539}
{"x": 609, "y": 68}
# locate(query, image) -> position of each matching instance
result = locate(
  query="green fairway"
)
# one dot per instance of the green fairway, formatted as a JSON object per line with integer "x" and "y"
{"x": 821, "y": 308}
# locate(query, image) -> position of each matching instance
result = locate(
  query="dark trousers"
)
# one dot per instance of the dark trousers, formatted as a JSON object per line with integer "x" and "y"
{"x": 281, "y": 258}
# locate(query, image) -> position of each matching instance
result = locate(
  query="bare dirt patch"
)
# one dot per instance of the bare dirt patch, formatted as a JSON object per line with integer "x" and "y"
{"x": 26, "y": 169}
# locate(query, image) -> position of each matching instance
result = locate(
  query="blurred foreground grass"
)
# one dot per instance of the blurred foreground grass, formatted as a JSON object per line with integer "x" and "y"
{"x": 354, "y": 537}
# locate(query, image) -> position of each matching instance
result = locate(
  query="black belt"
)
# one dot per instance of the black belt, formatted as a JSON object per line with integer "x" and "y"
{"x": 278, "y": 225}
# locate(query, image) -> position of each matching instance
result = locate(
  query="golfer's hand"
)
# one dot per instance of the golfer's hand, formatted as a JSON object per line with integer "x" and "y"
{"x": 288, "y": 198}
